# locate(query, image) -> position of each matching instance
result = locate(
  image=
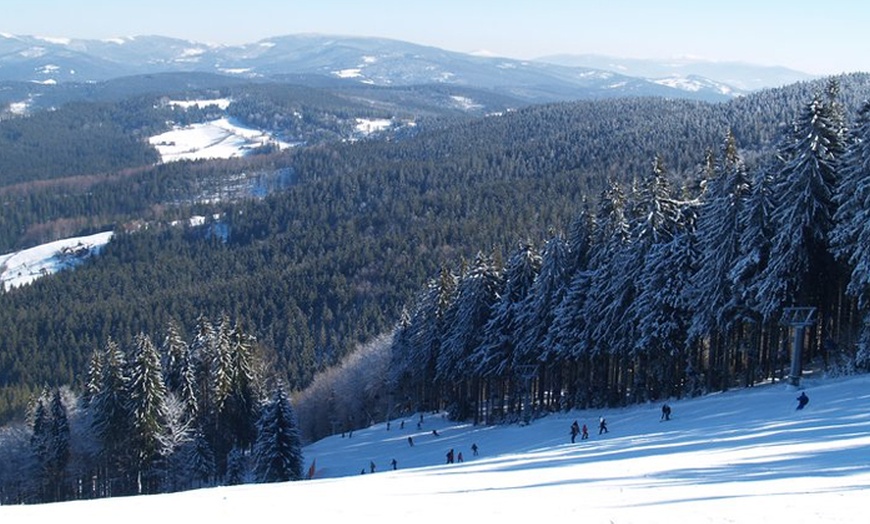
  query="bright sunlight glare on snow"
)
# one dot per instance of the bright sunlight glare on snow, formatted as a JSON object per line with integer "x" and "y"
{"x": 741, "y": 456}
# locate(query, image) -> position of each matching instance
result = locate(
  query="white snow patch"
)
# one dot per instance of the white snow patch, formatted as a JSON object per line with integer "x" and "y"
{"x": 465, "y": 102}
{"x": 23, "y": 267}
{"x": 221, "y": 138}
{"x": 368, "y": 126}
{"x": 55, "y": 40}
{"x": 235, "y": 71}
{"x": 348, "y": 73}
{"x": 33, "y": 52}
{"x": 19, "y": 108}
{"x": 222, "y": 103}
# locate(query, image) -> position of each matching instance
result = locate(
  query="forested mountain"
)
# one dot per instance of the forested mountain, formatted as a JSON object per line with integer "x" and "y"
{"x": 317, "y": 59}
{"x": 573, "y": 252}
{"x": 330, "y": 262}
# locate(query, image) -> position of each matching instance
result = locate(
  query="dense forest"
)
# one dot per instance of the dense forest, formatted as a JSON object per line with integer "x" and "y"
{"x": 557, "y": 256}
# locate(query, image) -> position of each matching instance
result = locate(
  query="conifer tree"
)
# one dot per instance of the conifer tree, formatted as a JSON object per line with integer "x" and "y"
{"x": 850, "y": 235}
{"x": 112, "y": 423}
{"x": 538, "y": 309}
{"x": 502, "y": 330}
{"x": 711, "y": 293}
{"x": 277, "y": 454}
{"x": 148, "y": 410}
{"x": 800, "y": 262}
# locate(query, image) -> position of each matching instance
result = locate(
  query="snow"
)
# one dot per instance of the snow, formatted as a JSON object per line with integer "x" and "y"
{"x": 221, "y": 138}
{"x": 221, "y": 103}
{"x": 368, "y": 126}
{"x": 741, "y": 456}
{"x": 465, "y": 102}
{"x": 23, "y": 267}
{"x": 348, "y": 73}
{"x": 19, "y": 108}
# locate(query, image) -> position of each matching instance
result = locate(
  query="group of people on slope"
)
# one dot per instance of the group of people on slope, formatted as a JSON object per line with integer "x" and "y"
{"x": 583, "y": 431}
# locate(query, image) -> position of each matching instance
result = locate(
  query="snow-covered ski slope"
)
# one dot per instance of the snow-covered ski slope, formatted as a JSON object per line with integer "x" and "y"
{"x": 744, "y": 456}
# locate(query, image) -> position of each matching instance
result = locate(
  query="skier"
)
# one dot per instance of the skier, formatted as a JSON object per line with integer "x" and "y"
{"x": 474, "y": 449}
{"x": 372, "y": 466}
{"x": 575, "y": 430}
{"x": 666, "y": 412}
{"x": 459, "y": 457}
{"x": 585, "y": 433}
{"x": 450, "y": 456}
{"x": 602, "y": 426}
{"x": 394, "y": 463}
{"x": 802, "y": 400}
{"x": 411, "y": 441}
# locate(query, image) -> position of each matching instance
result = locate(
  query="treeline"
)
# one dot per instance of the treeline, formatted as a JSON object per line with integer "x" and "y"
{"x": 155, "y": 419}
{"x": 661, "y": 291}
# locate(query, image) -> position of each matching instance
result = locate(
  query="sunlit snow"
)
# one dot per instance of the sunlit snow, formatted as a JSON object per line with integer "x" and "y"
{"x": 221, "y": 138}
{"x": 23, "y": 267}
{"x": 465, "y": 102}
{"x": 368, "y": 126}
{"x": 743, "y": 456}
{"x": 221, "y": 103}
{"x": 348, "y": 73}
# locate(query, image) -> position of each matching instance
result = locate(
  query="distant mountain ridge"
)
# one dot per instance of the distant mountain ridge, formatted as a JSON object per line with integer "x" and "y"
{"x": 361, "y": 60}
{"x": 742, "y": 76}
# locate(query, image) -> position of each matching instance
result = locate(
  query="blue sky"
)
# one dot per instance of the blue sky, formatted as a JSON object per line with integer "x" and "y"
{"x": 815, "y": 37}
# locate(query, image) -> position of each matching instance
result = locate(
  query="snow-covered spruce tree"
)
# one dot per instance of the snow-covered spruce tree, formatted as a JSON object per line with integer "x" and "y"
{"x": 801, "y": 269}
{"x": 419, "y": 344}
{"x": 112, "y": 423}
{"x": 500, "y": 334}
{"x": 40, "y": 446}
{"x": 536, "y": 316}
{"x": 18, "y": 461}
{"x": 194, "y": 464}
{"x": 851, "y": 232}
{"x": 610, "y": 237}
{"x": 175, "y": 358}
{"x": 493, "y": 361}
{"x": 656, "y": 222}
{"x": 237, "y": 468}
{"x": 400, "y": 375}
{"x": 149, "y": 416}
{"x": 663, "y": 317}
{"x": 476, "y": 293}
{"x": 241, "y": 407}
{"x": 653, "y": 220}
{"x": 93, "y": 376}
{"x": 277, "y": 453}
{"x": 720, "y": 315}
{"x": 718, "y": 229}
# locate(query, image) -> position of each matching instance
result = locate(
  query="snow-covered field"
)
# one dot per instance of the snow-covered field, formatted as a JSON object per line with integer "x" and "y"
{"x": 744, "y": 456}
{"x": 221, "y": 138}
{"x": 23, "y": 267}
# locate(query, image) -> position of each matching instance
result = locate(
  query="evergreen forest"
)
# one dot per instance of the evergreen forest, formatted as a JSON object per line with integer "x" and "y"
{"x": 551, "y": 257}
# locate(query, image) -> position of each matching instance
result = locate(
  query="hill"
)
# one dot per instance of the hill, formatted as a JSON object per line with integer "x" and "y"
{"x": 313, "y": 58}
{"x": 736, "y": 456}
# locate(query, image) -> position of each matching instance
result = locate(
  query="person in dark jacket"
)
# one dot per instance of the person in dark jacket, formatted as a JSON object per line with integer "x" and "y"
{"x": 602, "y": 426}
{"x": 666, "y": 412}
{"x": 802, "y": 400}
{"x": 575, "y": 430}
{"x": 450, "y": 456}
